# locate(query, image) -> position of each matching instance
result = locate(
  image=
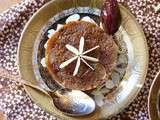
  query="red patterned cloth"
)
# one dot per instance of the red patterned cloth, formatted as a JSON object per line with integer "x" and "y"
{"x": 14, "y": 101}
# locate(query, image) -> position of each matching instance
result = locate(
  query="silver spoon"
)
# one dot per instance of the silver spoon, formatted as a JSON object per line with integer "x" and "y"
{"x": 73, "y": 102}
{"x": 70, "y": 102}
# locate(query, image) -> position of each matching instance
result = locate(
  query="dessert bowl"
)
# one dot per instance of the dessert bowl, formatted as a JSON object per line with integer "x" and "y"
{"x": 127, "y": 77}
{"x": 96, "y": 54}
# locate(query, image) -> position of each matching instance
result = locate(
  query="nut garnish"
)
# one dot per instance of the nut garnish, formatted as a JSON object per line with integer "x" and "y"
{"x": 79, "y": 56}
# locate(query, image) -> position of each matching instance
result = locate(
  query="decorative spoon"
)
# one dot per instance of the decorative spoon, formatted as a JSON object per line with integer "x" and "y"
{"x": 70, "y": 102}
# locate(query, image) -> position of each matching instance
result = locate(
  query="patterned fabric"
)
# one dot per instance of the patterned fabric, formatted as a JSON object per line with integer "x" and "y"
{"x": 14, "y": 101}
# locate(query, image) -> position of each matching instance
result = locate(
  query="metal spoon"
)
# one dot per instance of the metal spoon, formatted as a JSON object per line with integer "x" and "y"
{"x": 70, "y": 102}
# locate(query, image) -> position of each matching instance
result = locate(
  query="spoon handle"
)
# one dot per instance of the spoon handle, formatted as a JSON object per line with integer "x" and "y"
{"x": 17, "y": 79}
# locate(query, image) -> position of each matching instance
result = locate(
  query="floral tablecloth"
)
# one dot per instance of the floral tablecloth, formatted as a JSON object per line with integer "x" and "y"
{"x": 16, "y": 104}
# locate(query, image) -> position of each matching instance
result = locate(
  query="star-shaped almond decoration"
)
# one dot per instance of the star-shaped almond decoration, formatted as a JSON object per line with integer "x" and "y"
{"x": 80, "y": 55}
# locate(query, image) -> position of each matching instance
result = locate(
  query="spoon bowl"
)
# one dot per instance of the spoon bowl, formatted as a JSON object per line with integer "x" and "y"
{"x": 73, "y": 102}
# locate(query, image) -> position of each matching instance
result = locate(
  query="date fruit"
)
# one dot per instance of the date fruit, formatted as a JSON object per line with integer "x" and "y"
{"x": 110, "y": 16}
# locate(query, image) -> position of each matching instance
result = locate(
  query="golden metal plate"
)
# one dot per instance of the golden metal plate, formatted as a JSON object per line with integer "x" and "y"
{"x": 132, "y": 81}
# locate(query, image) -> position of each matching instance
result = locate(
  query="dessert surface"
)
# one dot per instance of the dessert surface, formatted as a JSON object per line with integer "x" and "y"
{"x": 86, "y": 78}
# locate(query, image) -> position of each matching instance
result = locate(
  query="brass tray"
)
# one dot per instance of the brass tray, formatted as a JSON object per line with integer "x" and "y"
{"x": 132, "y": 81}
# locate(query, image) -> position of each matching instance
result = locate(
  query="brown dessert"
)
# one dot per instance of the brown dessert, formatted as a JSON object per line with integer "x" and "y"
{"x": 86, "y": 79}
